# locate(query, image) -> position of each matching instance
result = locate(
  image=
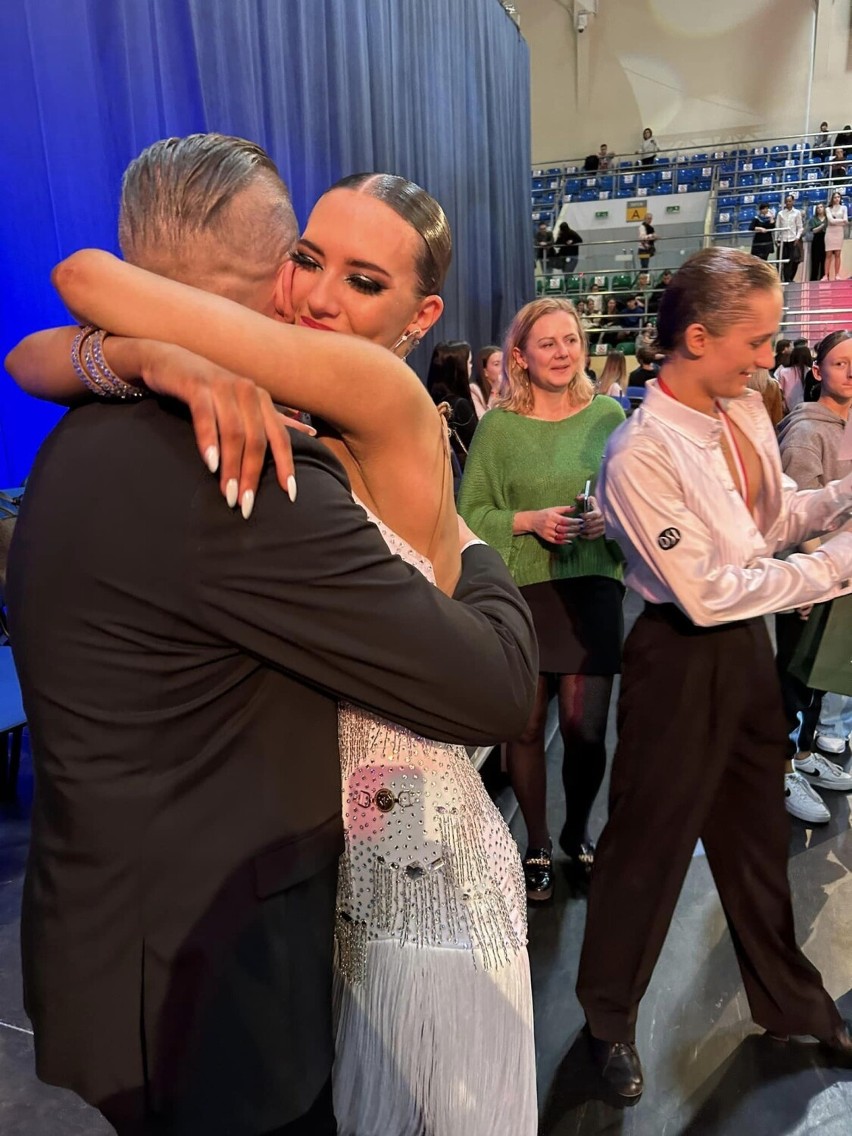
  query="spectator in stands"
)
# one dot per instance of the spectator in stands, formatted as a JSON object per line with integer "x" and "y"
{"x": 837, "y": 218}
{"x": 844, "y": 139}
{"x": 598, "y": 162}
{"x": 610, "y": 324}
{"x": 631, "y": 319}
{"x": 642, "y": 284}
{"x": 613, "y": 378}
{"x": 763, "y": 227}
{"x": 647, "y": 241}
{"x": 810, "y": 439}
{"x": 788, "y": 236}
{"x": 567, "y": 247}
{"x": 817, "y": 225}
{"x": 588, "y": 323}
{"x": 448, "y": 381}
{"x": 783, "y": 347}
{"x": 837, "y": 169}
{"x": 659, "y": 290}
{"x": 646, "y": 370}
{"x": 769, "y": 390}
{"x": 791, "y": 379}
{"x": 594, "y": 299}
{"x": 486, "y": 376}
{"x": 821, "y": 147}
{"x": 649, "y": 147}
{"x": 543, "y": 244}
{"x": 647, "y": 340}
{"x": 530, "y": 461}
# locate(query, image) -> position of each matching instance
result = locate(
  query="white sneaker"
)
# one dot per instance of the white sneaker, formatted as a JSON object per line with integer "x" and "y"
{"x": 820, "y": 771}
{"x": 802, "y": 801}
{"x": 830, "y": 745}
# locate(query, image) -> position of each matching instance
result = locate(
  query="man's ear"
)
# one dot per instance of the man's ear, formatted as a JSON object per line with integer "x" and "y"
{"x": 428, "y": 313}
{"x": 283, "y": 292}
{"x": 695, "y": 340}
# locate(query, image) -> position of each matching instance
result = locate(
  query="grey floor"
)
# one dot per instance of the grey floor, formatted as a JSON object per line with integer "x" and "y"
{"x": 709, "y": 1072}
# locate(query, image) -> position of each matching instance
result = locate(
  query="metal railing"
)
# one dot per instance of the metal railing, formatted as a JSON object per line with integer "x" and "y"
{"x": 767, "y": 167}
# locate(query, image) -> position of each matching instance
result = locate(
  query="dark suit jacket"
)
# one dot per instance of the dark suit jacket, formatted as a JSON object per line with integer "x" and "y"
{"x": 181, "y": 670}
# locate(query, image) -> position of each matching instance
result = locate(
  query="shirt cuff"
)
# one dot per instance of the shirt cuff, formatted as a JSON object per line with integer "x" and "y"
{"x": 471, "y": 543}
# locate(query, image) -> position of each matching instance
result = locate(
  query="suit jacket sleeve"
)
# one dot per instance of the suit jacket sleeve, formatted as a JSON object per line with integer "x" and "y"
{"x": 312, "y": 588}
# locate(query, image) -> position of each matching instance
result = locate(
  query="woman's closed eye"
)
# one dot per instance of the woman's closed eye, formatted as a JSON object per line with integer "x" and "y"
{"x": 365, "y": 284}
{"x": 303, "y": 260}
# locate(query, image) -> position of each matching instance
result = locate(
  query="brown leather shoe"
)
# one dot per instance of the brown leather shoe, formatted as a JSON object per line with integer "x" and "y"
{"x": 619, "y": 1065}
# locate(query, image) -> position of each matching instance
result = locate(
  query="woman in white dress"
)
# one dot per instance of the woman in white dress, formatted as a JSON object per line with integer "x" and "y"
{"x": 432, "y": 991}
{"x": 837, "y": 218}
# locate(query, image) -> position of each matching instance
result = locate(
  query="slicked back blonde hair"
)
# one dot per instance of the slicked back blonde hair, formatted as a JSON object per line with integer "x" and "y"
{"x": 713, "y": 288}
{"x": 515, "y": 390}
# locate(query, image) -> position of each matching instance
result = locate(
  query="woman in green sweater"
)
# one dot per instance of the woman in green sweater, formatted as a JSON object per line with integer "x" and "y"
{"x": 532, "y": 458}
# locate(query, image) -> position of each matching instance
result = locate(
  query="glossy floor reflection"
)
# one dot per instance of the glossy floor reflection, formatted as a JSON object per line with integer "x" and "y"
{"x": 708, "y": 1071}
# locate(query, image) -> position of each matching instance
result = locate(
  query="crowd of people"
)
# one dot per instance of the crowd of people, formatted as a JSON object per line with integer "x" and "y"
{"x": 786, "y": 231}
{"x": 262, "y": 864}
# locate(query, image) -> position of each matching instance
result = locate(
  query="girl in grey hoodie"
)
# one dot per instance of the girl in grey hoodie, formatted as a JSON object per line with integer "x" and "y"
{"x": 810, "y": 438}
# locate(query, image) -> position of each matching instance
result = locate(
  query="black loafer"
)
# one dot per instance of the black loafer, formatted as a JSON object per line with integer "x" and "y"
{"x": 538, "y": 874}
{"x": 839, "y": 1044}
{"x": 619, "y": 1066}
{"x": 581, "y": 858}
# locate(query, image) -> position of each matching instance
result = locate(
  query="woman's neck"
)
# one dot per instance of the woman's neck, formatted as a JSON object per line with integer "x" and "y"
{"x": 554, "y": 405}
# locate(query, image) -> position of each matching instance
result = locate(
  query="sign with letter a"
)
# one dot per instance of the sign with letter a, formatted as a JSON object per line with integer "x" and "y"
{"x": 636, "y": 210}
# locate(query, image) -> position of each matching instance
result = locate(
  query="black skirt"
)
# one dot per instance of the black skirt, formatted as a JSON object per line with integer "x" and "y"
{"x": 579, "y": 624}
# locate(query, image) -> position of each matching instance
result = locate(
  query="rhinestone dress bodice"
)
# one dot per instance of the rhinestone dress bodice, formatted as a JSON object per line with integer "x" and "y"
{"x": 428, "y": 860}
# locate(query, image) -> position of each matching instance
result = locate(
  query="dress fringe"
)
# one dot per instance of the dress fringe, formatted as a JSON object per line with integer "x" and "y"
{"x": 432, "y": 1045}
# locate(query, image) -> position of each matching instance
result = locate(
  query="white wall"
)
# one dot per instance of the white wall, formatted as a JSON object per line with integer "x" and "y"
{"x": 721, "y": 69}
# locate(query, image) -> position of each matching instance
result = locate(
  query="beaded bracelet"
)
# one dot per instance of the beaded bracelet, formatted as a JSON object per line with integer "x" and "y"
{"x": 92, "y": 369}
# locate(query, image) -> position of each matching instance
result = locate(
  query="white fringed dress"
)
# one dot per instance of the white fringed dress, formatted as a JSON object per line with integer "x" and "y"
{"x": 432, "y": 988}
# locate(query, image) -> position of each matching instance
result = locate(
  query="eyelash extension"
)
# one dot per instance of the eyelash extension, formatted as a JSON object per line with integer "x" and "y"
{"x": 361, "y": 284}
{"x": 303, "y": 260}
{"x": 365, "y": 285}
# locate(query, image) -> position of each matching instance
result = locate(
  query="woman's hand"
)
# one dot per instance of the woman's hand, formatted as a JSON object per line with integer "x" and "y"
{"x": 593, "y": 520}
{"x": 555, "y": 525}
{"x": 234, "y": 421}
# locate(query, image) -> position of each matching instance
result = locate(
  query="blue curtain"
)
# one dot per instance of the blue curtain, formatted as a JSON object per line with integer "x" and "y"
{"x": 435, "y": 90}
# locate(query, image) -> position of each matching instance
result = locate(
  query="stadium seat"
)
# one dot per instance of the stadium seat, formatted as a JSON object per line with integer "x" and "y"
{"x": 621, "y": 281}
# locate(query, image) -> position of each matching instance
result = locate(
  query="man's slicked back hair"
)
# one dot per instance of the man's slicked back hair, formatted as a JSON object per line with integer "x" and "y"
{"x": 177, "y": 193}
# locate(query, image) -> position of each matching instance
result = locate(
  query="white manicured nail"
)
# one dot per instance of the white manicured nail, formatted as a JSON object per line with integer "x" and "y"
{"x": 231, "y": 491}
{"x": 248, "y": 504}
{"x": 211, "y": 457}
{"x": 291, "y": 487}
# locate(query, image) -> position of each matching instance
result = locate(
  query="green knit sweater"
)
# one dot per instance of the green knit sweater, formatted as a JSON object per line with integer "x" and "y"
{"x": 518, "y": 463}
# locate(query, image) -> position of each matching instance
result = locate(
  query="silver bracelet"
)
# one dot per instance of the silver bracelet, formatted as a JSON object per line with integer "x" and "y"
{"x": 92, "y": 369}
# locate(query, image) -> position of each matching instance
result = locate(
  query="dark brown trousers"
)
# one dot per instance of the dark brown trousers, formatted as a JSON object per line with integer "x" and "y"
{"x": 700, "y": 755}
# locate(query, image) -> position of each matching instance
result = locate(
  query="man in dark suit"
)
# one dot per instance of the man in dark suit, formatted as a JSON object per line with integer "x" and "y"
{"x": 181, "y": 671}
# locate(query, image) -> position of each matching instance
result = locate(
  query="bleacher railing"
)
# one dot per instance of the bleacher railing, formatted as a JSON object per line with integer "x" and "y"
{"x": 742, "y": 175}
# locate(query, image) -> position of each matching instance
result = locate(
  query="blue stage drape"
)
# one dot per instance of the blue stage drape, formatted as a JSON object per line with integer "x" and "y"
{"x": 435, "y": 90}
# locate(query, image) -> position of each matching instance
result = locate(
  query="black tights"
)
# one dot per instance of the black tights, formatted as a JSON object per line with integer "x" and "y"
{"x": 583, "y": 710}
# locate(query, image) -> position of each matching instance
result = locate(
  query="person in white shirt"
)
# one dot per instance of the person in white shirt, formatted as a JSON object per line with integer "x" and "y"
{"x": 788, "y": 235}
{"x": 693, "y": 492}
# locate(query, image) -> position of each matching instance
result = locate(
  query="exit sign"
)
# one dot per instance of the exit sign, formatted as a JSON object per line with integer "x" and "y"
{"x": 673, "y": 209}
{"x": 602, "y": 213}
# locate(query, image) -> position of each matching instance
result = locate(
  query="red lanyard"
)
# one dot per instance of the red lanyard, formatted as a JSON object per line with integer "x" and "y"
{"x": 730, "y": 437}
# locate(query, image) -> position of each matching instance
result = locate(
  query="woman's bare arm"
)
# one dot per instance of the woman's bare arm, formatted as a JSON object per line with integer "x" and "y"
{"x": 388, "y": 423}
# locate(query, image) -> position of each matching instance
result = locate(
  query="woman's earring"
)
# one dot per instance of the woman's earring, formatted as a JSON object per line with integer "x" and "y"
{"x": 415, "y": 335}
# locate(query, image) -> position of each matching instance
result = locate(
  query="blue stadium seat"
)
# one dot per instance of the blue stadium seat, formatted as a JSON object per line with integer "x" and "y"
{"x": 628, "y": 179}
{"x": 663, "y": 188}
{"x": 589, "y": 195}
{"x": 648, "y": 179}
{"x": 748, "y": 180}
{"x": 758, "y": 150}
{"x": 662, "y": 160}
{"x": 724, "y": 229}
{"x": 573, "y": 185}
{"x": 781, "y": 151}
{"x": 605, "y": 182}
{"x": 727, "y": 201}
{"x": 625, "y": 191}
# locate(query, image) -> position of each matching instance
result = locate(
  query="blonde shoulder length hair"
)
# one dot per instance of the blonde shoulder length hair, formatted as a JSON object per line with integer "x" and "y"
{"x": 515, "y": 390}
